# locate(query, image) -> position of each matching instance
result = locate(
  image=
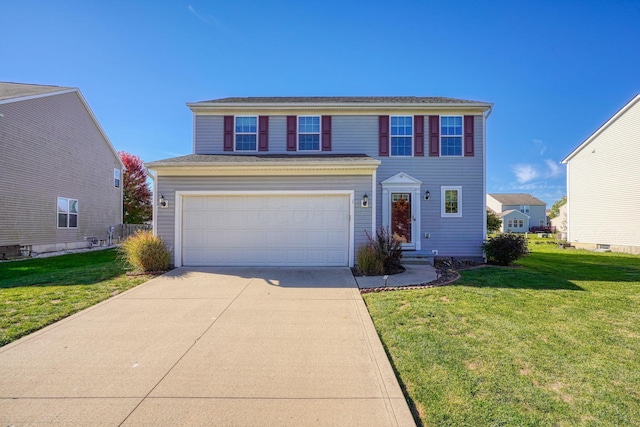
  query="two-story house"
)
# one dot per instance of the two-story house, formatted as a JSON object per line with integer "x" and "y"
{"x": 519, "y": 212}
{"x": 302, "y": 181}
{"x": 60, "y": 176}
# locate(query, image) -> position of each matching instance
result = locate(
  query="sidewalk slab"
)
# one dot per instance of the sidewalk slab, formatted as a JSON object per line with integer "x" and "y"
{"x": 415, "y": 274}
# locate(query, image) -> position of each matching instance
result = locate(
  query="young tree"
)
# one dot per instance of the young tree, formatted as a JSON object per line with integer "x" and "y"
{"x": 135, "y": 188}
{"x": 555, "y": 208}
{"x": 494, "y": 222}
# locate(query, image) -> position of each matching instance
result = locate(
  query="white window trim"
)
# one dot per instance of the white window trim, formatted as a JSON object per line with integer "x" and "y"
{"x": 298, "y": 133}
{"x": 68, "y": 199}
{"x": 413, "y": 130}
{"x": 117, "y": 175}
{"x": 443, "y": 190}
{"x": 461, "y": 138}
{"x": 256, "y": 133}
{"x": 525, "y": 209}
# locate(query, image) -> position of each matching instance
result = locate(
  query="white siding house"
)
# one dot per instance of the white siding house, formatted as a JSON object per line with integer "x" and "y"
{"x": 603, "y": 185}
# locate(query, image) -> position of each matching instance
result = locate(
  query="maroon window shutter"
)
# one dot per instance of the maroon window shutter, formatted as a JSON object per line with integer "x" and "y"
{"x": 418, "y": 135}
{"x": 434, "y": 136}
{"x": 228, "y": 133}
{"x": 292, "y": 130}
{"x": 468, "y": 136}
{"x": 383, "y": 147}
{"x": 263, "y": 133}
{"x": 326, "y": 133}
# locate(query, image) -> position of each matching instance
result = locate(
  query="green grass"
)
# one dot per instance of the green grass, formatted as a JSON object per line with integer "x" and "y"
{"x": 553, "y": 341}
{"x": 37, "y": 292}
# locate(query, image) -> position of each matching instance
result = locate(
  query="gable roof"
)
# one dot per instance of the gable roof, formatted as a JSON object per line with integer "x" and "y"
{"x": 14, "y": 91}
{"x": 514, "y": 212}
{"x": 602, "y": 128}
{"x": 517, "y": 199}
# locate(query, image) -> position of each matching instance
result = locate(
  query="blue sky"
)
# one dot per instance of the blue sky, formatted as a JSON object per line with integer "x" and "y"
{"x": 555, "y": 70}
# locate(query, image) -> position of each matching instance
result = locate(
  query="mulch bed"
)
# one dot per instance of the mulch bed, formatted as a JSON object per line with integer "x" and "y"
{"x": 448, "y": 272}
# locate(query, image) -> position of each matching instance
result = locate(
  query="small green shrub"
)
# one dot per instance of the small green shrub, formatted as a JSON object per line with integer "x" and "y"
{"x": 369, "y": 263}
{"x": 504, "y": 249}
{"x": 388, "y": 248}
{"x": 145, "y": 252}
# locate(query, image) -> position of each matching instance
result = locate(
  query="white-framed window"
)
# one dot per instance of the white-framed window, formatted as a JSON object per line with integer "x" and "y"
{"x": 246, "y": 133}
{"x": 308, "y": 133}
{"x": 451, "y": 201}
{"x": 515, "y": 223}
{"x": 401, "y": 135}
{"x": 451, "y": 135}
{"x": 67, "y": 213}
{"x": 525, "y": 209}
{"x": 116, "y": 178}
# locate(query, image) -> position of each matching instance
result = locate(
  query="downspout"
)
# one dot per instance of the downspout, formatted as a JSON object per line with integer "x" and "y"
{"x": 485, "y": 116}
{"x": 154, "y": 219}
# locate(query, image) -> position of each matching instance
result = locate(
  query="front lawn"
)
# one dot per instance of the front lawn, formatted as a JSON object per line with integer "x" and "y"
{"x": 555, "y": 341}
{"x": 37, "y": 292}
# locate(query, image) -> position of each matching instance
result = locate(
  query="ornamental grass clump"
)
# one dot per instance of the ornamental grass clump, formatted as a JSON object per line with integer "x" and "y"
{"x": 504, "y": 249}
{"x": 382, "y": 255}
{"x": 145, "y": 252}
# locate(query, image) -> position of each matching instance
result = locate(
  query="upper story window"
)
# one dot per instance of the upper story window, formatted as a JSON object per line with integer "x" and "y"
{"x": 309, "y": 133}
{"x": 451, "y": 201}
{"x": 116, "y": 178}
{"x": 525, "y": 209}
{"x": 67, "y": 213}
{"x": 246, "y": 133}
{"x": 401, "y": 135}
{"x": 451, "y": 135}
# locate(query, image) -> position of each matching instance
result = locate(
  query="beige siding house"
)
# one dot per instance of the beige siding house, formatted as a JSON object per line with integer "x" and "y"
{"x": 60, "y": 177}
{"x": 603, "y": 189}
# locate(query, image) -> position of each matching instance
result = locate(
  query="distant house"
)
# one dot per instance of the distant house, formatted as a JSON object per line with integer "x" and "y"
{"x": 60, "y": 177}
{"x": 519, "y": 212}
{"x": 302, "y": 181}
{"x": 603, "y": 189}
{"x": 560, "y": 221}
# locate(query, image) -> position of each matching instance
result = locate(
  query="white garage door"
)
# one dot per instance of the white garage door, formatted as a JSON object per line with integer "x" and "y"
{"x": 279, "y": 230}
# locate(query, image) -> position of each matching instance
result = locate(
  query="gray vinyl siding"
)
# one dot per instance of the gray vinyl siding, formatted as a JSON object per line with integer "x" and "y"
{"x": 536, "y": 214}
{"x": 51, "y": 147}
{"x": 603, "y": 187}
{"x": 358, "y": 134}
{"x": 168, "y": 185}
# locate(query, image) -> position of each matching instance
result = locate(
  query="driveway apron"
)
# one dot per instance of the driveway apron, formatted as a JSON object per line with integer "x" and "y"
{"x": 210, "y": 347}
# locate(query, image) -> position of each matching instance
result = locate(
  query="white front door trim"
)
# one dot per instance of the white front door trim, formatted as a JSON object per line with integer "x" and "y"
{"x": 403, "y": 183}
{"x": 181, "y": 194}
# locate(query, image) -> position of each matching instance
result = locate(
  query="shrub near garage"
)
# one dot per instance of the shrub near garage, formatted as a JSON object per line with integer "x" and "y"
{"x": 145, "y": 252}
{"x": 504, "y": 249}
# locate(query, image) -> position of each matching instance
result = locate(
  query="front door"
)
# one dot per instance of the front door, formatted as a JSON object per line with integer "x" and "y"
{"x": 402, "y": 219}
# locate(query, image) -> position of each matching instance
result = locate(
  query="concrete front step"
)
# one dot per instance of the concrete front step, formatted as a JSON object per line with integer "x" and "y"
{"x": 415, "y": 259}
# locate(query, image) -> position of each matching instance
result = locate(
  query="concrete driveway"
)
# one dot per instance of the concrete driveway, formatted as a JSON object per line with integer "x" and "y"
{"x": 209, "y": 347}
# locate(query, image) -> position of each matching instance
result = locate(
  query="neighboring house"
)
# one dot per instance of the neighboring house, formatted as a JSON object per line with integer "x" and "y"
{"x": 302, "y": 181}
{"x": 603, "y": 189}
{"x": 60, "y": 177}
{"x": 560, "y": 221}
{"x": 519, "y": 212}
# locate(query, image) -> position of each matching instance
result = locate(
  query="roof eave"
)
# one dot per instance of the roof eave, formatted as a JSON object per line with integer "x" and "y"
{"x": 337, "y": 105}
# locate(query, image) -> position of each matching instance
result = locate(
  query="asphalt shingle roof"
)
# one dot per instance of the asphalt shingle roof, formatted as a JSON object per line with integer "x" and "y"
{"x": 517, "y": 199}
{"x": 249, "y": 158}
{"x": 18, "y": 90}
{"x": 341, "y": 100}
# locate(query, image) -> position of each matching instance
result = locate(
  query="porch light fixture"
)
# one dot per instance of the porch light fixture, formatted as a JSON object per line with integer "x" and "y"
{"x": 365, "y": 201}
{"x": 163, "y": 203}
{"x": 427, "y": 195}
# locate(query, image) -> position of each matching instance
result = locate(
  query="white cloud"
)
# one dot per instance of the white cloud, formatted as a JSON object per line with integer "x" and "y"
{"x": 540, "y": 145}
{"x": 197, "y": 15}
{"x": 554, "y": 168}
{"x": 525, "y": 172}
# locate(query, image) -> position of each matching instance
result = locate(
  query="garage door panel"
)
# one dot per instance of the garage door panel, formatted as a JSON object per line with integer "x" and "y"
{"x": 266, "y": 230}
